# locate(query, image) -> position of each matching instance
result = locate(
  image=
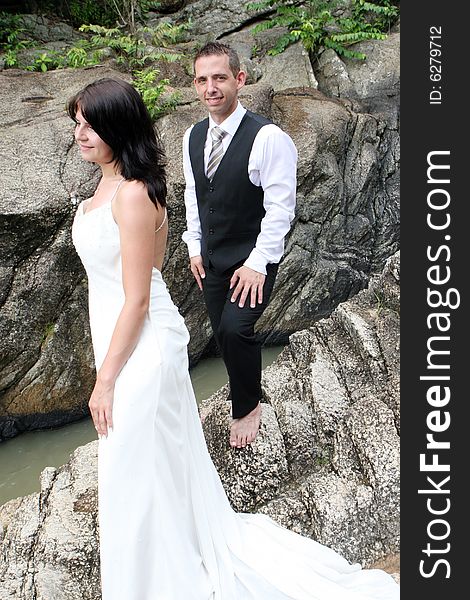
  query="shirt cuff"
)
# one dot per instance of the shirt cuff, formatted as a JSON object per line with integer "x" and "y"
{"x": 256, "y": 261}
{"x": 194, "y": 248}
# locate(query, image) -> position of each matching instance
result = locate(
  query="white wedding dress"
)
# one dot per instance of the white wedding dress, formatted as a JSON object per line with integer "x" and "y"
{"x": 167, "y": 530}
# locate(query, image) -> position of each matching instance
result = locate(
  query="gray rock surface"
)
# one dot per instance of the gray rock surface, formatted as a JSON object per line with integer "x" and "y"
{"x": 253, "y": 477}
{"x": 50, "y": 540}
{"x": 43, "y": 29}
{"x": 292, "y": 71}
{"x": 325, "y": 463}
{"x": 212, "y": 19}
{"x": 374, "y": 84}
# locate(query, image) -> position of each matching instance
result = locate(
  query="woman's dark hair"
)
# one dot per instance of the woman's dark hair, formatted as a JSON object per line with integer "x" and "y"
{"x": 119, "y": 116}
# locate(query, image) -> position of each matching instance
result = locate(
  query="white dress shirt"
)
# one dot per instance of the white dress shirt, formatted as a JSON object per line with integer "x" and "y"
{"x": 272, "y": 165}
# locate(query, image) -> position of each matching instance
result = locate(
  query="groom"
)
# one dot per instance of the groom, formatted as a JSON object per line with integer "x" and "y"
{"x": 240, "y": 172}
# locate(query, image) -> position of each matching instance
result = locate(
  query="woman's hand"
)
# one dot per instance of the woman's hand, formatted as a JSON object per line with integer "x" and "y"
{"x": 101, "y": 407}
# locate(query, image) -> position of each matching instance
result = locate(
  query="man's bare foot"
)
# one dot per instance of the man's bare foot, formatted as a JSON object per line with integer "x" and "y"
{"x": 244, "y": 430}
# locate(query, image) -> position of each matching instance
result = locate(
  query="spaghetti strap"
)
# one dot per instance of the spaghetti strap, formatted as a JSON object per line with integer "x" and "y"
{"x": 163, "y": 222}
{"x": 85, "y": 203}
{"x": 116, "y": 190}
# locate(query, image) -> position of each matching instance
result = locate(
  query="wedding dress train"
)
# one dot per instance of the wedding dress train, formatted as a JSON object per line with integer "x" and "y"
{"x": 167, "y": 530}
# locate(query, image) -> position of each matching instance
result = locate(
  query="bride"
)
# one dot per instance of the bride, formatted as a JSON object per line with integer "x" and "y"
{"x": 167, "y": 530}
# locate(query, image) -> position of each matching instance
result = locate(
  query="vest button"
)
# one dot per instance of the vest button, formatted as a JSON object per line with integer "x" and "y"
{"x": 211, "y": 210}
{"x": 211, "y": 232}
{"x": 211, "y": 189}
{"x": 211, "y": 251}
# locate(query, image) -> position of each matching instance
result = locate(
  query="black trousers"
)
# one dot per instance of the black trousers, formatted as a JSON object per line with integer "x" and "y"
{"x": 233, "y": 329}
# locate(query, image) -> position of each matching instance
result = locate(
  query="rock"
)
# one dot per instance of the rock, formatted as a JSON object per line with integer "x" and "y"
{"x": 384, "y": 286}
{"x": 255, "y": 475}
{"x": 347, "y": 219}
{"x": 374, "y": 83}
{"x": 291, "y": 69}
{"x": 210, "y": 19}
{"x": 43, "y": 29}
{"x": 390, "y": 564}
{"x": 7, "y": 513}
{"x": 50, "y": 540}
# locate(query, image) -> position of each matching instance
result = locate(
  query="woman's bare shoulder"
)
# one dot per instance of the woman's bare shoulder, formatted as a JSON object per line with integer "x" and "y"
{"x": 133, "y": 202}
{"x": 132, "y": 191}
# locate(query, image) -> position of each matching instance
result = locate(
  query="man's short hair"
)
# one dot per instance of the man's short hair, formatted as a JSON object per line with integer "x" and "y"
{"x": 219, "y": 49}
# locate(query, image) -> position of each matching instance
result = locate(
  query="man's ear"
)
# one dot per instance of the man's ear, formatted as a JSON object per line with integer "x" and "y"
{"x": 241, "y": 79}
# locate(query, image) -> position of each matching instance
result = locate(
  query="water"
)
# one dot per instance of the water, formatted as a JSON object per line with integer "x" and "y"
{"x": 23, "y": 458}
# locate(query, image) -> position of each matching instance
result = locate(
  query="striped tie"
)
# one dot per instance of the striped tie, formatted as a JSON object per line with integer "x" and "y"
{"x": 217, "y": 151}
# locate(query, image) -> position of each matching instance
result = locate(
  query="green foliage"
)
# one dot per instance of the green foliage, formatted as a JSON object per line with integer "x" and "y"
{"x": 131, "y": 50}
{"x": 254, "y": 50}
{"x": 12, "y": 43}
{"x": 82, "y": 55}
{"x": 48, "y": 332}
{"x": 323, "y": 459}
{"x": 45, "y": 61}
{"x": 49, "y": 60}
{"x": 157, "y": 96}
{"x": 128, "y": 13}
{"x": 165, "y": 34}
{"x": 12, "y": 38}
{"x": 316, "y": 25}
{"x": 10, "y": 29}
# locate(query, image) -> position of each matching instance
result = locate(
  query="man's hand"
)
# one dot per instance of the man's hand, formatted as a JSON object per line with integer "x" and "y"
{"x": 247, "y": 281}
{"x": 197, "y": 269}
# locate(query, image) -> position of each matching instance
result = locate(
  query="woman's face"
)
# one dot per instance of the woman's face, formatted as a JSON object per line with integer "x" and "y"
{"x": 91, "y": 146}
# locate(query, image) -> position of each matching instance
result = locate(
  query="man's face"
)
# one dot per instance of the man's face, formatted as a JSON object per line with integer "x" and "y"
{"x": 216, "y": 85}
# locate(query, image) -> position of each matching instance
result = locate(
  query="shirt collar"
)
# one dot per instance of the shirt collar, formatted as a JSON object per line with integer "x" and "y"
{"x": 231, "y": 123}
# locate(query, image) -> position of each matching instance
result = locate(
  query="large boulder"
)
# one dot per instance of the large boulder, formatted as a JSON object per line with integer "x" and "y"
{"x": 373, "y": 83}
{"x": 40, "y": 28}
{"x": 50, "y": 539}
{"x": 213, "y": 18}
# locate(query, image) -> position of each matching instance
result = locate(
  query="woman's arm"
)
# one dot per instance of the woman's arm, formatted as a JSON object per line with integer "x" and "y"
{"x": 135, "y": 215}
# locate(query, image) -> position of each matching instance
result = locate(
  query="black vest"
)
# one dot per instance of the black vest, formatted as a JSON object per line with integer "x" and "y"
{"x": 230, "y": 206}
